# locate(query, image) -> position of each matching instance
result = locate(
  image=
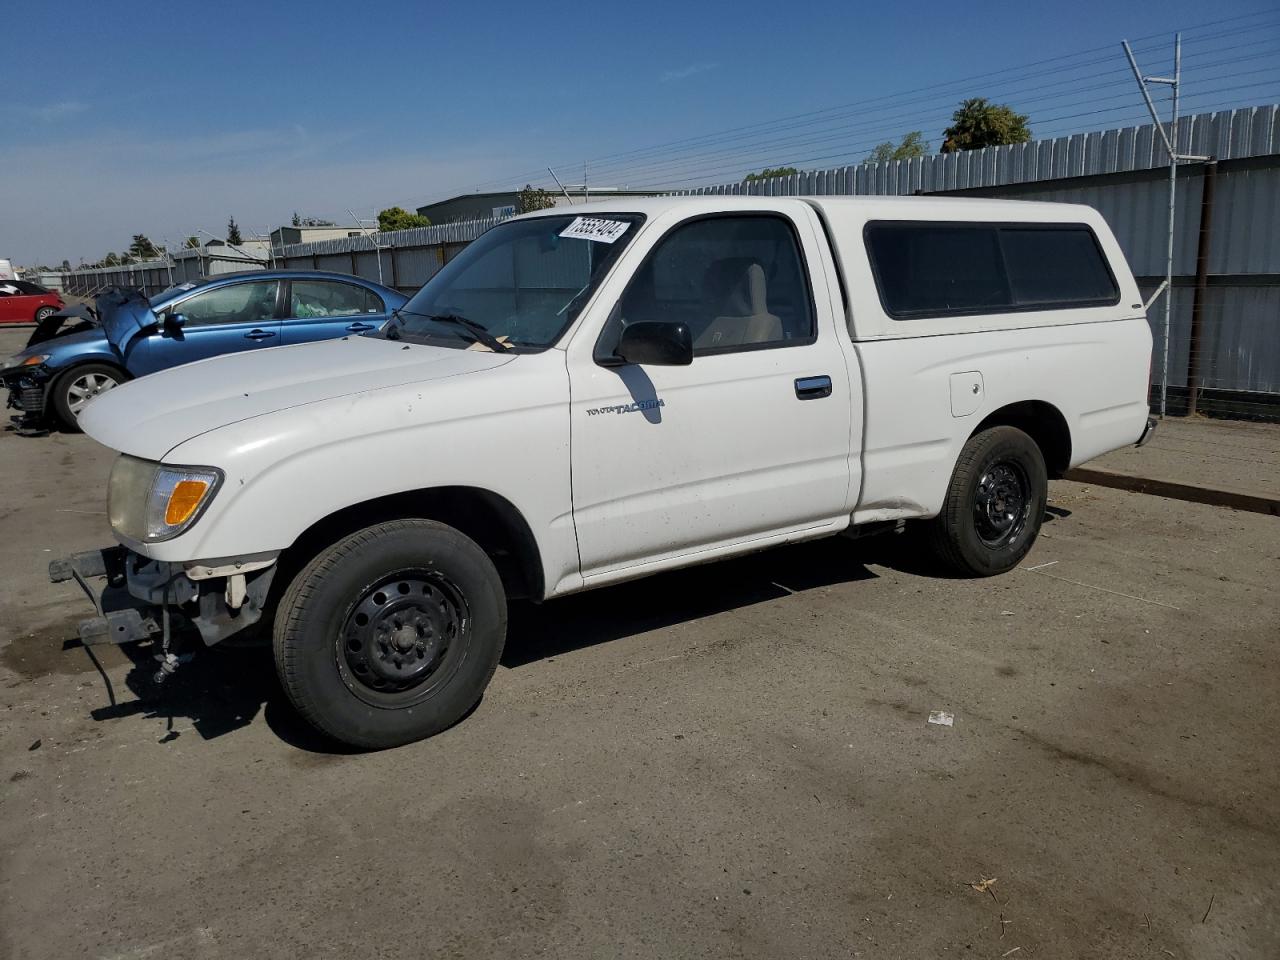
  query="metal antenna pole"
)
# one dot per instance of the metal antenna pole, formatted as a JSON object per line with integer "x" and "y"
{"x": 559, "y": 184}
{"x": 271, "y": 250}
{"x": 168, "y": 258}
{"x": 1170, "y": 139}
{"x": 1173, "y": 186}
{"x": 244, "y": 253}
{"x": 377, "y": 250}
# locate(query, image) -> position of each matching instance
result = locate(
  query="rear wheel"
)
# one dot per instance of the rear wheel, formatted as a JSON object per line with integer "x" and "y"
{"x": 75, "y": 388}
{"x": 994, "y": 505}
{"x": 392, "y": 634}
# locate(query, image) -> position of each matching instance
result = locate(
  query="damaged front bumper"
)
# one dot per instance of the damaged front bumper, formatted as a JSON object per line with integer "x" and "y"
{"x": 219, "y": 597}
{"x": 27, "y": 390}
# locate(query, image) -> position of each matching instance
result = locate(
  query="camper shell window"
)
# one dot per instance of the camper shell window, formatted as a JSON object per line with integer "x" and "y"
{"x": 950, "y": 269}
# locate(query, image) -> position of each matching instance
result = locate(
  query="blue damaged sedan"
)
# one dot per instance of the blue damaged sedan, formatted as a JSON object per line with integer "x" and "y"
{"x": 74, "y": 356}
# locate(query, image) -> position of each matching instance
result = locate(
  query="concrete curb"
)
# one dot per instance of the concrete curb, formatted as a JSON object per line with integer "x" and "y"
{"x": 1177, "y": 491}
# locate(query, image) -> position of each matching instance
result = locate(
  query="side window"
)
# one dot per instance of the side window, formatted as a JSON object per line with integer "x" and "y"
{"x": 331, "y": 298}
{"x": 253, "y": 302}
{"x": 1062, "y": 266}
{"x": 958, "y": 269}
{"x": 9, "y": 289}
{"x": 738, "y": 282}
{"x": 935, "y": 270}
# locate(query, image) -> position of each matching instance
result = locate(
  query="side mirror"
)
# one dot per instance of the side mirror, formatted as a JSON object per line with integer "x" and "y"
{"x": 656, "y": 343}
{"x": 175, "y": 320}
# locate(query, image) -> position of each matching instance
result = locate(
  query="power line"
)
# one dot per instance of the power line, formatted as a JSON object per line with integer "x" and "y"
{"x": 773, "y": 124}
{"x": 641, "y": 160}
{"x": 917, "y": 121}
{"x": 832, "y": 159}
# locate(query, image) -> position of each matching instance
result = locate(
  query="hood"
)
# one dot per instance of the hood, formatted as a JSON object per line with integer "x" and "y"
{"x": 122, "y": 314}
{"x": 150, "y": 416}
{"x": 67, "y": 345}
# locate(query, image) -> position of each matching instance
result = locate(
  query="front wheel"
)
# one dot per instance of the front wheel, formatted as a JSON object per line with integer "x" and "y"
{"x": 75, "y": 388}
{"x": 994, "y": 505}
{"x": 392, "y": 634}
{"x": 44, "y": 313}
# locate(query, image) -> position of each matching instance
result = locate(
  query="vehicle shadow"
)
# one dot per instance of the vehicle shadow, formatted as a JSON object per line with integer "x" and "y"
{"x": 224, "y": 689}
{"x": 538, "y": 631}
{"x": 219, "y": 691}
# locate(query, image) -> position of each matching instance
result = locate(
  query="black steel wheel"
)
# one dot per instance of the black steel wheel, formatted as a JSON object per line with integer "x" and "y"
{"x": 994, "y": 504}
{"x": 391, "y": 634}
{"x": 405, "y": 635}
{"x": 1002, "y": 504}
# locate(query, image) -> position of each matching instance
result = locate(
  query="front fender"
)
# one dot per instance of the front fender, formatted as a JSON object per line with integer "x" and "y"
{"x": 505, "y": 431}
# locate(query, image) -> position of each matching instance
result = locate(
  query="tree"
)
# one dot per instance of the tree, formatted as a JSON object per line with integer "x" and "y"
{"x": 297, "y": 220}
{"x": 192, "y": 243}
{"x": 979, "y": 123}
{"x": 110, "y": 260}
{"x": 398, "y": 218}
{"x": 233, "y": 232}
{"x": 912, "y": 145}
{"x": 768, "y": 173}
{"x": 534, "y": 198}
{"x": 66, "y": 266}
{"x": 142, "y": 249}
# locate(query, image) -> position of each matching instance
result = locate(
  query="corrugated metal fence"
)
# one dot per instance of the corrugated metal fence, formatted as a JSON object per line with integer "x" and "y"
{"x": 1225, "y": 135}
{"x": 1123, "y": 174}
{"x": 404, "y": 259}
{"x": 152, "y": 276}
{"x": 1120, "y": 172}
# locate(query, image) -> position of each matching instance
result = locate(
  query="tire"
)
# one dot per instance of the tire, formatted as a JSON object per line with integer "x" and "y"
{"x": 994, "y": 505}
{"x": 73, "y": 389}
{"x": 44, "y": 312}
{"x": 392, "y": 634}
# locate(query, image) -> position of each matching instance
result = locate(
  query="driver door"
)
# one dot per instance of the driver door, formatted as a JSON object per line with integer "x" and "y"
{"x": 750, "y": 442}
{"x": 230, "y": 318}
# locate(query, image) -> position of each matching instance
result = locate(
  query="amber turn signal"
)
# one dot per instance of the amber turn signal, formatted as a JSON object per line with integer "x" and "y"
{"x": 186, "y": 496}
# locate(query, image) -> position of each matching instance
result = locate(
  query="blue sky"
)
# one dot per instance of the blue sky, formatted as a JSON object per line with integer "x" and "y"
{"x": 168, "y": 118}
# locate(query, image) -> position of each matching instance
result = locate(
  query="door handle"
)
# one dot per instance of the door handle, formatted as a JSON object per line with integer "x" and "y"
{"x": 359, "y": 325}
{"x": 258, "y": 335}
{"x": 813, "y": 388}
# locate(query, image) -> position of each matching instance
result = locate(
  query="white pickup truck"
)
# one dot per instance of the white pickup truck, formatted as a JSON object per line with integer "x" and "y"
{"x": 593, "y": 394}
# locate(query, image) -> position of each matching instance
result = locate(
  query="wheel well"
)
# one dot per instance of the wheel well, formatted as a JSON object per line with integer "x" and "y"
{"x": 56, "y": 382}
{"x": 1044, "y": 423}
{"x": 491, "y": 521}
{"x": 90, "y": 362}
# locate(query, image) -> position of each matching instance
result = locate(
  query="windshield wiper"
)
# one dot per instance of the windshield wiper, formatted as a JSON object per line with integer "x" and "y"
{"x": 477, "y": 331}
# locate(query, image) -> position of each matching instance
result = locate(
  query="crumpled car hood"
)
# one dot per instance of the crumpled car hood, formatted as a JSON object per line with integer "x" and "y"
{"x": 122, "y": 315}
{"x": 150, "y": 416}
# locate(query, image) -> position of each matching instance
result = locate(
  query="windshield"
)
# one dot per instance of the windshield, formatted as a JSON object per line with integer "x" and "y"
{"x": 523, "y": 282}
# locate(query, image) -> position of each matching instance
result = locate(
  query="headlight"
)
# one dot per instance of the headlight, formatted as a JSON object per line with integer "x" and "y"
{"x": 14, "y": 363}
{"x": 155, "y": 501}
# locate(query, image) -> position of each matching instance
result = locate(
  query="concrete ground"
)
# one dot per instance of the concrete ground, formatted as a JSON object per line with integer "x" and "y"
{"x": 1230, "y": 455}
{"x": 729, "y": 761}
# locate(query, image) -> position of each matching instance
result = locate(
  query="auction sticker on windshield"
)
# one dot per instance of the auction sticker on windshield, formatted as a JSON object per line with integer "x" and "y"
{"x": 593, "y": 228}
